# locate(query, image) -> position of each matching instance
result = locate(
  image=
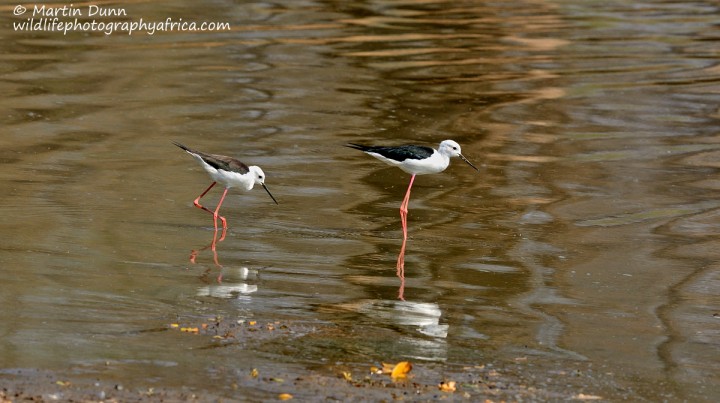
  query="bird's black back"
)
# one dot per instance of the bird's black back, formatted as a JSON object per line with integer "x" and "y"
{"x": 218, "y": 161}
{"x": 397, "y": 153}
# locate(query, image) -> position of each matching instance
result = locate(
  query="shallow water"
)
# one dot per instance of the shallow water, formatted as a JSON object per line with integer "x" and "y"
{"x": 590, "y": 235}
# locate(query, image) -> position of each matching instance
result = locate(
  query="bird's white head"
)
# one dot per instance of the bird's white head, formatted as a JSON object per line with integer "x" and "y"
{"x": 259, "y": 178}
{"x": 452, "y": 149}
{"x": 257, "y": 174}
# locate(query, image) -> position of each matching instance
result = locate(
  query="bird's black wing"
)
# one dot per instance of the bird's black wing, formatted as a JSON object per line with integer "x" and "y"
{"x": 225, "y": 163}
{"x": 218, "y": 161}
{"x": 399, "y": 153}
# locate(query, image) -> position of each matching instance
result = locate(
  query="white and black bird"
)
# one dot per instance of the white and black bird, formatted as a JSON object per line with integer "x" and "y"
{"x": 229, "y": 172}
{"x": 415, "y": 160}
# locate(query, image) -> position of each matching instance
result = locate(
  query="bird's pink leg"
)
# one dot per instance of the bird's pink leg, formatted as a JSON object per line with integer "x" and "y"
{"x": 197, "y": 204}
{"x": 401, "y": 260}
{"x": 403, "y": 221}
{"x": 197, "y": 201}
{"x": 401, "y": 290}
{"x": 215, "y": 215}
{"x": 404, "y": 207}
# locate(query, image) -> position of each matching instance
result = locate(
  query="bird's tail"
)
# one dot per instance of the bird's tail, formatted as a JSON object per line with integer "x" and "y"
{"x": 358, "y": 146}
{"x": 183, "y": 147}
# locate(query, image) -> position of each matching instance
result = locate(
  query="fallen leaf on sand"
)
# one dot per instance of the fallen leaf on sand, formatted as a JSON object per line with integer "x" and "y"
{"x": 447, "y": 386}
{"x": 583, "y": 396}
{"x": 347, "y": 376}
{"x": 386, "y": 368}
{"x": 401, "y": 370}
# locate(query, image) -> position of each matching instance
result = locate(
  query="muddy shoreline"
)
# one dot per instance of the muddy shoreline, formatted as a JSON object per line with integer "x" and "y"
{"x": 520, "y": 380}
{"x": 472, "y": 385}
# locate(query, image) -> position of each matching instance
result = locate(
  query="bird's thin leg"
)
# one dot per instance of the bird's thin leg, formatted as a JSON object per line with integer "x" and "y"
{"x": 224, "y": 232}
{"x": 215, "y": 215}
{"x": 401, "y": 290}
{"x": 403, "y": 221}
{"x": 196, "y": 202}
{"x": 404, "y": 208}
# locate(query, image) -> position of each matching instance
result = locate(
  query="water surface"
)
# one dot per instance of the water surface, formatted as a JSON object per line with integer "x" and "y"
{"x": 590, "y": 237}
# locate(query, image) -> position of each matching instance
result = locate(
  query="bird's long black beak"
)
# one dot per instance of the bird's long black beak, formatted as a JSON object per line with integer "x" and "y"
{"x": 468, "y": 162}
{"x": 271, "y": 196}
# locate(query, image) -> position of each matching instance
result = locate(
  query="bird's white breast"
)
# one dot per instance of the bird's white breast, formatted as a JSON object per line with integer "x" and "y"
{"x": 435, "y": 163}
{"x": 227, "y": 178}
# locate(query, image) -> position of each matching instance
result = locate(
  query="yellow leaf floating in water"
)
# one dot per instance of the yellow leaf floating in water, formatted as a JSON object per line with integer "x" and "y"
{"x": 401, "y": 370}
{"x": 254, "y": 373}
{"x": 447, "y": 386}
{"x": 347, "y": 376}
{"x": 285, "y": 396}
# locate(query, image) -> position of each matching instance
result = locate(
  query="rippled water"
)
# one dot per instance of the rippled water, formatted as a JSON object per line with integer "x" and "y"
{"x": 590, "y": 235}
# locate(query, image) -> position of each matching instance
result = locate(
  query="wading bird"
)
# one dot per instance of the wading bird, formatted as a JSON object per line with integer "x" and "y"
{"x": 229, "y": 172}
{"x": 415, "y": 160}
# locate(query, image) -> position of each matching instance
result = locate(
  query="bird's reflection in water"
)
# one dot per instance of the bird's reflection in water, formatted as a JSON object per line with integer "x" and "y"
{"x": 424, "y": 317}
{"x": 213, "y": 247}
{"x": 231, "y": 282}
{"x": 401, "y": 266}
{"x": 236, "y": 285}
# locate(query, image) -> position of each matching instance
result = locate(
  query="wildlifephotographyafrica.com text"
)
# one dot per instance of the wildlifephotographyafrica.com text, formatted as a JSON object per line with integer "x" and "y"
{"x": 107, "y": 20}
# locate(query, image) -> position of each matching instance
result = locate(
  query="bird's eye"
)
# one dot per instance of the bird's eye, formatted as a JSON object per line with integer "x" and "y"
{"x": 455, "y": 148}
